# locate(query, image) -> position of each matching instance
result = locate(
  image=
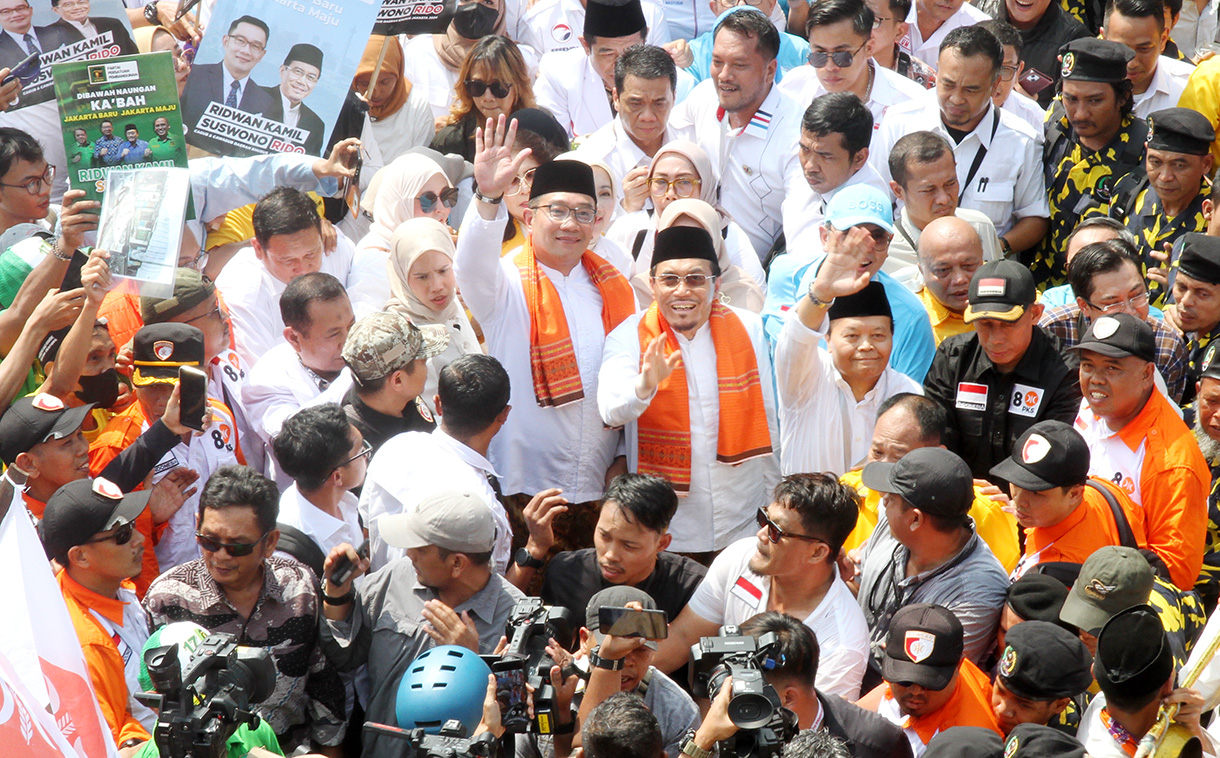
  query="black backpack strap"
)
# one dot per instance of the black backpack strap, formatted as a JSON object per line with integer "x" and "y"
{"x": 1126, "y": 536}
{"x": 639, "y": 243}
{"x": 299, "y": 545}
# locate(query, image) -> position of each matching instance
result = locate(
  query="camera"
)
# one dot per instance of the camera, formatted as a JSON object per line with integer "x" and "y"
{"x": 201, "y": 706}
{"x": 765, "y": 725}
{"x": 451, "y": 742}
{"x": 529, "y": 630}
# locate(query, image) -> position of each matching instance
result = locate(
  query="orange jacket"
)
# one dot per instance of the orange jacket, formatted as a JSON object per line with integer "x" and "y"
{"x": 970, "y": 705}
{"x": 1088, "y": 528}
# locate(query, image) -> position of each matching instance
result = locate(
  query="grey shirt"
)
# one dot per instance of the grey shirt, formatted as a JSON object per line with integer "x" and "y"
{"x": 972, "y": 584}
{"x": 386, "y": 631}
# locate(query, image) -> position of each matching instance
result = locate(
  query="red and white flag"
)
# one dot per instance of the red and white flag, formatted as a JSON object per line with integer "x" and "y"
{"x": 26, "y": 729}
{"x": 42, "y": 650}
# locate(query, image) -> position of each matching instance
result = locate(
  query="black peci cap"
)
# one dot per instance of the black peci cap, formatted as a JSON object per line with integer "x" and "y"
{"x": 870, "y": 301}
{"x": 1133, "y": 655}
{"x": 607, "y": 18}
{"x": 1094, "y": 60}
{"x": 684, "y": 242}
{"x": 563, "y": 176}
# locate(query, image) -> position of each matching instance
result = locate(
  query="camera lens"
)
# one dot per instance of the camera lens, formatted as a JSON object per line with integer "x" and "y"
{"x": 750, "y": 710}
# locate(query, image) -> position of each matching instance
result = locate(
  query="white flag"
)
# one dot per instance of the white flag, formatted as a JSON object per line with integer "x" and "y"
{"x": 26, "y": 729}
{"x": 40, "y": 642}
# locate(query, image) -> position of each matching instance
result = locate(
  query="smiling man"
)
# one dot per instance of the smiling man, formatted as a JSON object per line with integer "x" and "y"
{"x": 694, "y": 370}
{"x": 228, "y": 82}
{"x": 299, "y": 74}
{"x": 74, "y": 25}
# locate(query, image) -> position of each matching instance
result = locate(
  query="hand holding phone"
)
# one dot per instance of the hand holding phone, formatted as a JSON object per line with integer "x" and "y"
{"x": 26, "y": 70}
{"x": 193, "y": 397}
{"x": 1034, "y": 81}
{"x": 343, "y": 567}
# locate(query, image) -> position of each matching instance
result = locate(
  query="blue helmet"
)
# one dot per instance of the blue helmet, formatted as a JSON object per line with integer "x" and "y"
{"x": 443, "y": 683}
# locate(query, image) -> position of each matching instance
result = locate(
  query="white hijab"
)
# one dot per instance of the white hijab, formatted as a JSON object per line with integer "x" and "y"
{"x": 411, "y": 240}
{"x": 392, "y": 193}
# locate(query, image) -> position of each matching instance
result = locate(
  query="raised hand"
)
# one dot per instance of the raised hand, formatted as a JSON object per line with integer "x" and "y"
{"x": 495, "y": 166}
{"x": 76, "y": 219}
{"x": 57, "y": 310}
{"x": 1160, "y": 273}
{"x": 539, "y": 519}
{"x": 341, "y": 162}
{"x": 848, "y": 266}
{"x": 655, "y": 367}
{"x": 169, "y": 494}
{"x": 95, "y": 276}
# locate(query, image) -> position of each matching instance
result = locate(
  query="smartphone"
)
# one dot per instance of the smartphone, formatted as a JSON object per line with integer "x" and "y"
{"x": 342, "y": 569}
{"x": 71, "y": 279}
{"x": 193, "y": 400}
{"x": 26, "y": 70}
{"x": 349, "y": 189}
{"x": 511, "y": 694}
{"x": 1034, "y": 81}
{"x": 629, "y": 622}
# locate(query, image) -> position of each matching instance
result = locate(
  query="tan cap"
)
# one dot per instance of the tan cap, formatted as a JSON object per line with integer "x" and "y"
{"x": 454, "y": 520}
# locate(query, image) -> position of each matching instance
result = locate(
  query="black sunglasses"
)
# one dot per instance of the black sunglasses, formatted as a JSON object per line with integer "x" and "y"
{"x": 428, "y": 200}
{"x": 841, "y": 58}
{"x": 476, "y": 87}
{"x": 121, "y": 536}
{"x": 775, "y": 534}
{"x": 235, "y": 549}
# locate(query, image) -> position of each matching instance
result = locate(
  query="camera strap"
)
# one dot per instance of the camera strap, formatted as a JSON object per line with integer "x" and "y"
{"x": 641, "y": 689}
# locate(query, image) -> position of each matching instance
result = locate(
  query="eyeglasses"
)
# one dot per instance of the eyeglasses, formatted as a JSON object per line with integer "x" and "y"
{"x": 241, "y": 41}
{"x": 19, "y": 10}
{"x": 214, "y": 312}
{"x": 735, "y": 3}
{"x": 34, "y": 186}
{"x": 692, "y": 281}
{"x": 366, "y": 452}
{"x": 1008, "y": 72}
{"x": 775, "y": 534}
{"x": 1139, "y": 301}
{"x": 879, "y": 20}
{"x": 477, "y": 87}
{"x": 683, "y": 187}
{"x": 841, "y": 58}
{"x": 428, "y": 200}
{"x": 300, "y": 73}
{"x": 235, "y": 549}
{"x": 121, "y": 536}
{"x": 71, "y": 4}
{"x": 561, "y": 213}
{"x": 522, "y": 182}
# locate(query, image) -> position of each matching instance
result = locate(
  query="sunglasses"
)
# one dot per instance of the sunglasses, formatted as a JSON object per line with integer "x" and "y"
{"x": 234, "y": 549}
{"x": 841, "y": 58}
{"x": 476, "y": 87}
{"x": 428, "y": 200}
{"x": 775, "y": 534}
{"x": 121, "y": 536}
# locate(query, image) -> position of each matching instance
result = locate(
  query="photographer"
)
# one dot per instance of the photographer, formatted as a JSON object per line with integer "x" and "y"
{"x": 444, "y": 592}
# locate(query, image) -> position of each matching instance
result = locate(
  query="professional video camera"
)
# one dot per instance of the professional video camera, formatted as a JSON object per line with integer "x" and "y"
{"x": 451, "y": 742}
{"x": 201, "y": 707}
{"x": 529, "y": 630}
{"x": 765, "y": 725}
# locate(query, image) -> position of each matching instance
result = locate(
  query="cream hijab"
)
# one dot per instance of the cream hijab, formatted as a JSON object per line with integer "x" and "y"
{"x": 708, "y": 187}
{"x": 391, "y": 197}
{"x": 410, "y": 240}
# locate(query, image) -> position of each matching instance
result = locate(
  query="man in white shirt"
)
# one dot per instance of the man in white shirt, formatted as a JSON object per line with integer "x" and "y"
{"x": 287, "y": 243}
{"x": 690, "y": 379}
{"x": 840, "y": 46}
{"x": 930, "y": 22}
{"x": 1156, "y": 79}
{"x": 553, "y": 297}
{"x": 555, "y": 25}
{"x": 748, "y": 127}
{"x": 999, "y": 161}
{"x": 1008, "y": 96}
{"x": 790, "y": 567}
{"x": 576, "y": 85}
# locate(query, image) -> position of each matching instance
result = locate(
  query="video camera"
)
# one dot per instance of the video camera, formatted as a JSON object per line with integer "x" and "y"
{"x": 765, "y": 725}
{"x": 451, "y": 742}
{"x": 529, "y": 630}
{"x": 201, "y": 707}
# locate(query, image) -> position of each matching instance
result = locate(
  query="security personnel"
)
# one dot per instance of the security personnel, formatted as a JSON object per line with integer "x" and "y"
{"x": 1043, "y": 669}
{"x": 1004, "y": 377}
{"x": 1196, "y": 295}
{"x": 1166, "y": 200}
{"x": 1089, "y": 145}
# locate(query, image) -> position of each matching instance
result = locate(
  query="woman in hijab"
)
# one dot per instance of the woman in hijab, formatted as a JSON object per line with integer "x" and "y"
{"x": 680, "y": 169}
{"x": 155, "y": 39}
{"x": 493, "y": 80}
{"x": 424, "y": 289}
{"x": 400, "y": 116}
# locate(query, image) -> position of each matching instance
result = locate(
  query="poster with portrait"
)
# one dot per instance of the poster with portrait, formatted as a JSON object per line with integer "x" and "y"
{"x": 59, "y": 30}
{"x": 118, "y": 113}
{"x": 271, "y": 77}
{"x": 414, "y": 16}
{"x": 141, "y": 225}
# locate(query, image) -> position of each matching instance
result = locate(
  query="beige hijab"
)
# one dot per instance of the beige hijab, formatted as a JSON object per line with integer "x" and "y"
{"x": 391, "y": 196}
{"x": 410, "y": 240}
{"x": 452, "y": 48}
{"x": 709, "y": 186}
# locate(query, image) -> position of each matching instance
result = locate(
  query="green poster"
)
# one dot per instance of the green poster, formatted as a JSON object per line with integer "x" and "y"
{"x": 118, "y": 113}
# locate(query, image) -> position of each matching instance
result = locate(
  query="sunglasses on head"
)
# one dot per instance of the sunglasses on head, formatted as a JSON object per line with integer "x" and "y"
{"x": 234, "y": 549}
{"x": 428, "y": 200}
{"x": 121, "y": 536}
{"x": 476, "y": 87}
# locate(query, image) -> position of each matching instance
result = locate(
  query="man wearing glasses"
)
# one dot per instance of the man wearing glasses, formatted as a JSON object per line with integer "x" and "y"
{"x": 298, "y": 76}
{"x": 20, "y": 37}
{"x": 240, "y": 587}
{"x": 788, "y": 566}
{"x": 74, "y": 25}
{"x": 690, "y": 379}
{"x": 229, "y": 82}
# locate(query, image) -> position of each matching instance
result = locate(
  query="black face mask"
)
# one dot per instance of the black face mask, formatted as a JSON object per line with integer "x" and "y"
{"x": 102, "y": 389}
{"x": 475, "y": 20}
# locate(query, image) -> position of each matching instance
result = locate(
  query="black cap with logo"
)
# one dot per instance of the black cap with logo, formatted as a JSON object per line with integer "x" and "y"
{"x": 1000, "y": 290}
{"x": 1049, "y": 454}
{"x": 1041, "y": 741}
{"x": 924, "y": 646}
{"x": 1119, "y": 336}
{"x": 1043, "y": 661}
{"x": 32, "y": 420}
{"x": 1094, "y": 60}
{"x": 78, "y": 510}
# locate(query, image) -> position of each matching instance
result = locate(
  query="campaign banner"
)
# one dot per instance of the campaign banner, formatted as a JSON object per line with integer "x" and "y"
{"x": 414, "y": 16}
{"x": 118, "y": 113}
{"x": 272, "y": 78}
{"x": 141, "y": 225}
{"x": 59, "y": 30}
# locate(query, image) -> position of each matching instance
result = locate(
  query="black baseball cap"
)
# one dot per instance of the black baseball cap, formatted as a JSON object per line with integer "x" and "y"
{"x": 1119, "y": 336}
{"x": 32, "y": 420}
{"x": 965, "y": 742}
{"x": 924, "y": 646}
{"x": 1001, "y": 290}
{"x": 78, "y": 510}
{"x": 1041, "y": 741}
{"x": 159, "y": 350}
{"x": 1133, "y": 654}
{"x": 932, "y": 479}
{"x": 1049, "y": 454}
{"x": 1044, "y": 661}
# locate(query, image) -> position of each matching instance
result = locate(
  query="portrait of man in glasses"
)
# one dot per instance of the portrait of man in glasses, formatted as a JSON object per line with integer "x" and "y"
{"x": 75, "y": 25}
{"x": 229, "y": 82}
{"x": 298, "y": 76}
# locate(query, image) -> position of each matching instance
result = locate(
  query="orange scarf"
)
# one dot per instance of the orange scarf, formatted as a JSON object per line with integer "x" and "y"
{"x": 663, "y": 431}
{"x": 552, "y": 355}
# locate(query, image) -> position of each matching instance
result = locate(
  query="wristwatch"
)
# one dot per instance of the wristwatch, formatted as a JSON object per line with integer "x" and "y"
{"x": 817, "y": 302}
{"x": 150, "y": 14}
{"x": 598, "y": 662}
{"x": 489, "y": 200}
{"x": 690, "y": 748}
{"x": 523, "y": 559}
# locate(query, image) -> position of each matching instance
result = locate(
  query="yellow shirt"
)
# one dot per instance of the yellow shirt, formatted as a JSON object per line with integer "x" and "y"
{"x": 1202, "y": 93}
{"x": 945, "y": 323}
{"x": 997, "y": 528}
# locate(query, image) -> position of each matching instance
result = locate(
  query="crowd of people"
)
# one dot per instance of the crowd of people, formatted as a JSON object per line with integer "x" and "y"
{"x": 882, "y": 332}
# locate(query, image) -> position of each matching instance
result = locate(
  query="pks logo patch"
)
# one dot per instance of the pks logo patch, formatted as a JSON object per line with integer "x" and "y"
{"x": 163, "y": 349}
{"x": 919, "y": 645}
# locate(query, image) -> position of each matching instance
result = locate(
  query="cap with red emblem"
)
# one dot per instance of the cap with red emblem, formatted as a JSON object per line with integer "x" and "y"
{"x": 32, "y": 420}
{"x": 1049, "y": 454}
{"x": 924, "y": 646}
{"x": 78, "y": 510}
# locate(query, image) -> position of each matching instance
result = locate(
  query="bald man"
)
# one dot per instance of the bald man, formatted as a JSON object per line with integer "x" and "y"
{"x": 949, "y": 252}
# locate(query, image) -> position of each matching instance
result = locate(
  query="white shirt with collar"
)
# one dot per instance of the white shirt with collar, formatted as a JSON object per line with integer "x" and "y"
{"x": 804, "y": 209}
{"x": 325, "y": 530}
{"x": 612, "y": 145}
{"x": 902, "y": 263}
{"x": 87, "y": 28}
{"x": 824, "y": 427}
{"x": 1027, "y": 108}
{"x": 228, "y": 79}
{"x": 573, "y": 92}
{"x": 20, "y": 39}
{"x": 722, "y": 497}
{"x": 1166, "y": 86}
{"x": 755, "y": 163}
{"x": 928, "y": 50}
{"x": 1009, "y": 184}
{"x": 889, "y": 88}
{"x": 278, "y": 386}
{"x": 568, "y": 446}
{"x": 553, "y": 25}
{"x": 412, "y": 465}
{"x": 1093, "y": 733}
{"x": 252, "y": 295}
{"x": 292, "y": 113}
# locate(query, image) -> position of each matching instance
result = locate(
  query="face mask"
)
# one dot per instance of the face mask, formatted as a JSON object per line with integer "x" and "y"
{"x": 475, "y": 20}
{"x": 102, "y": 389}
